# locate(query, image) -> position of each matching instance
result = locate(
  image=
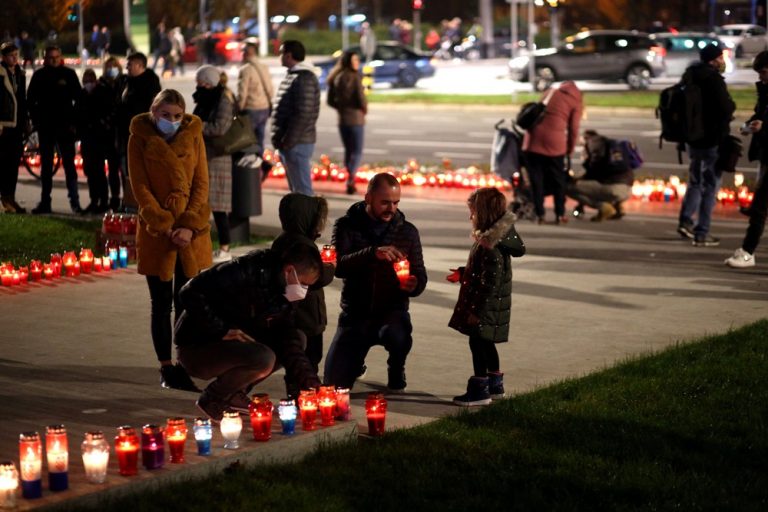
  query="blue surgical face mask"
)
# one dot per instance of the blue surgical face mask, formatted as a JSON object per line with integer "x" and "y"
{"x": 113, "y": 72}
{"x": 167, "y": 127}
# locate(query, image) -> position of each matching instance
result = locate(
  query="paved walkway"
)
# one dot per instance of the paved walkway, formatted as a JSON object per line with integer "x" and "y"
{"x": 78, "y": 352}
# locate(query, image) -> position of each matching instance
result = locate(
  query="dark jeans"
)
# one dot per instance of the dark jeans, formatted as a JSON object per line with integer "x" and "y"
{"x": 547, "y": 173}
{"x": 50, "y": 137}
{"x": 352, "y": 138}
{"x": 354, "y": 338}
{"x": 94, "y": 155}
{"x": 11, "y": 149}
{"x": 221, "y": 219}
{"x": 115, "y": 171}
{"x": 757, "y": 215}
{"x": 258, "y": 123}
{"x": 235, "y": 365}
{"x": 701, "y": 193}
{"x": 485, "y": 357}
{"x": 163, "y": 296}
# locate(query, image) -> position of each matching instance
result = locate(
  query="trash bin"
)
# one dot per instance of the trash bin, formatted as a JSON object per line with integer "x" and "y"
{"x": 246, "y": 200}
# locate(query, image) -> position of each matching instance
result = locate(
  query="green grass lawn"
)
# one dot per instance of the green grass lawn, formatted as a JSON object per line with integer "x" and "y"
{"x": 744, "y": 98}
{"x": 684, "y": 429}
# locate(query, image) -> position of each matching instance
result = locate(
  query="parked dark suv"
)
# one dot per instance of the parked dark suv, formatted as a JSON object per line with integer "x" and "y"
{"x": 595, "y": 55}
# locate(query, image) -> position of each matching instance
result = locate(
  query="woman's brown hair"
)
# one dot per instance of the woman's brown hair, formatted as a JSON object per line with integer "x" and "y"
{"x": 488, "y": 205}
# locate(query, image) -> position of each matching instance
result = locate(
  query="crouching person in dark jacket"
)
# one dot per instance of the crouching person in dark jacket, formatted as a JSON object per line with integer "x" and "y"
{"x": 238, "y": 326}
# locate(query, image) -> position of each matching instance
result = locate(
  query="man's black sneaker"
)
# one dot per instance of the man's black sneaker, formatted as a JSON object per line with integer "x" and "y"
{"x": 706, "y": 241}
{"x": 211, "y": 407}
{"x": 176, "y": 377}
{"x": 240, "y": 402}
{"x": 396, "y": 381}
{"x": 42, "y": 208}
{"x": 686, "y": 231}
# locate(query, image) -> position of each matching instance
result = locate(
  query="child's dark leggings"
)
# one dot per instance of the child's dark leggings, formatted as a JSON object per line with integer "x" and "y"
{"x": 485, "y": 357}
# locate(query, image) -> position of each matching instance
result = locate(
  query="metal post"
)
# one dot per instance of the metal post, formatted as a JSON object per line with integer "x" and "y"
{"x": 203, "y": 21}
{"x": 531, "y": 58}
{"x": 513, "y": 27}
{"x": 417, "y": 29}
{"x": 486, "y": 20}
{"x": 344, "y": 27}
{"x": 554, "y": 22}
{"x": 81, "y": 36}
{"x": 263, "y": 28}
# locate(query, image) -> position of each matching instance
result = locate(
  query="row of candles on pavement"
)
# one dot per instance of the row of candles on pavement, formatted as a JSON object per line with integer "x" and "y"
{"x": 332, "y": 404}
{"x": 68, "y": 264}
{"x": 402, "y": 267}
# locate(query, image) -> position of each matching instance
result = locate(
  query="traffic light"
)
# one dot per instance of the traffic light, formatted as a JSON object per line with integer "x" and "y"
{"x": 418, "y": 5}
{"x": 74, "y": 12}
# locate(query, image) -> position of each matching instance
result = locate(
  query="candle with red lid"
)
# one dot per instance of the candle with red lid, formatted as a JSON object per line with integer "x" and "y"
{"x": 106, "y": 263}
{"x": 327, "y": 404}
{"x": 56, "y": 264}
{"x": 57, "y": 453}
{"x": 68, "y": 261}
{"x": 403, "y": 270}
{"x": 6, "y": 276}
{"x": 97, "y": 264}
{"x": 328, "y": 254}
{"x": 24, "y": 274}
{"x": 260, "y": 410}
{"x": 127, "y": 448}
{"x": 48, "y": 271}
{"x": 376, "y": 413}
{"x": 31, "y": 465}
{"x": 177, "y": 437}
{"x": 16, "y": 278}
{"x": 35, "y": 270}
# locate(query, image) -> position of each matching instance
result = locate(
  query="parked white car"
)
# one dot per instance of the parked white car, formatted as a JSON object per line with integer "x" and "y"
{"x": 743, "y": 39}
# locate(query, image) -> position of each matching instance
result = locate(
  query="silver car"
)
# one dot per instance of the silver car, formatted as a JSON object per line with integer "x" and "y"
{"x": 625, "y": 55}
{"x": 743, "y": 39}
{"x": 681, "y": 49}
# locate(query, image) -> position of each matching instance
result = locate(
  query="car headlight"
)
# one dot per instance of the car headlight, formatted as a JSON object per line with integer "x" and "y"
{"x": 729, "y": 44}
{"x": 519, "y": 63}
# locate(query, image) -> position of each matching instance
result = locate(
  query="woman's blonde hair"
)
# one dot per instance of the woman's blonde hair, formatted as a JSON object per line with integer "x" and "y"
{"x": 168, "y": 97}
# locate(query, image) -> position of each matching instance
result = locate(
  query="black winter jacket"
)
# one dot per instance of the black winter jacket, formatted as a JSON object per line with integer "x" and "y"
{"x": 245, "y": 293}
{"x": 300, "y": 216}
{"x": 51, "y": 97}
{"x": 136, "y": 95}
{"x": 96, "y": 115}
{"x": 371, "y": 288}
{"x": 297, "y": 105}
{"x": 718, "y": 105}
{"x": 757, "y": 146}
{"x": 485, "y": 297}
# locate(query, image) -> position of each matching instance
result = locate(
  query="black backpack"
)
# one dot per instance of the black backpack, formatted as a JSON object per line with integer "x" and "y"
{"x": 681, "y": 111}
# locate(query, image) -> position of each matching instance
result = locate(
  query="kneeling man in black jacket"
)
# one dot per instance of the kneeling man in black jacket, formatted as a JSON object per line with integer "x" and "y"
{"x": 237, "y": 326}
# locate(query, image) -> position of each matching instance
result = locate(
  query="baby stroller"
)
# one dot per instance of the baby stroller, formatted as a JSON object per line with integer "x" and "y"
{"x": 507, "y": 162}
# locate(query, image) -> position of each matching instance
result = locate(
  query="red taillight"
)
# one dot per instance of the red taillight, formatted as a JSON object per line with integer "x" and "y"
{"x": 658, "y": 50}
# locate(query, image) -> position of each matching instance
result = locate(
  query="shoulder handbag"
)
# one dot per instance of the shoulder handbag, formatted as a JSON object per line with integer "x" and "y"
{"x": 531, "y": 113}
{"x": 239, "y": 136}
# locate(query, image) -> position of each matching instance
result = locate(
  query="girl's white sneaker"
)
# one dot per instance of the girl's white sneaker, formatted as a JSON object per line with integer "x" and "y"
{"x": 740, "y": 259}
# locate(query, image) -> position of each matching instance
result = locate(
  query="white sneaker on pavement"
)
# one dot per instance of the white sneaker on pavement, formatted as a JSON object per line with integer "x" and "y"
{"x": 220, "y": 256}
{"x": 740, "y": 259}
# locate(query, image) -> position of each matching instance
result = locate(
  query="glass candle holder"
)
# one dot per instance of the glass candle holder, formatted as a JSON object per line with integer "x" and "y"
{"x": 9, "y": 482}
{"x": 48, "y": 271}
{"x": 86, "y": 260}
{"x": 57, "y": 454}
{"x": 31, "y": 465}
{"x": 176, "y": 434}
{"x": 152, "y": 446}
{"x": 327, "y": 404}
{"x": 308, "y": 409}
{"x": 328, "y": 254}
{"x": 106, "y": 263}
{"x": 231, "y": 427}
{"x": 95, "y": 457}
{"x": 203, "y": 434}
{"x": 68, "y": 262}
{"x": 287, "y": 412}
{"x": 343, "y": 410}
{"x": 403, "y": 270}
{"x": 24, "y": 274}
{"x": 376, "y": 413}
{"x": 97, "y": 264}
{"x": 127, "y": 449}
{"x": 122, "y": 256}
{"x": 260, "y": 410}
{"x": 35, "y": 270}
{"x": 6, "y": 277}
{"x": 112, "y": 253}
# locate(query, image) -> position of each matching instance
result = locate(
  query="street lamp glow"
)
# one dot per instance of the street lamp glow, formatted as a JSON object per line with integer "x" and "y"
{"x": 292, "y": 19}
{"x": 236, "y": 19}
{"x": 277, "y": 19}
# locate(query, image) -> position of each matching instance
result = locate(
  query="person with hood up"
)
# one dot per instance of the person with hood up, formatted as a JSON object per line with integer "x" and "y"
{"x": 485, "y": 298}
{"x": 548, "y": 143}
{"x": 303, "y": 219}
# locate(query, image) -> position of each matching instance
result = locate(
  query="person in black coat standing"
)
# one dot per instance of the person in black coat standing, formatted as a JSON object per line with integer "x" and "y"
{"x": 369, "y": 240}
{"x": 238, "y": 325}
{"x": 296, "y": 108}
{"x": 95, "y": 117}
{"x": 13, "y": 124}
{"x": 303, "y": 219}
{"x": 51, "y": 97}
{"x": 703, "y": 177}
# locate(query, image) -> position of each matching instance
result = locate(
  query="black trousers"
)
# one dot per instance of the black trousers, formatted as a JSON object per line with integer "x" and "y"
{"x": 757, "y": 215}
{"x": 163, "y": 296}
{"x": 485, "y": 357}
{"x": 64, "y": 138}
{"x": 93, "y": 152}
{"x": 547, "y": 174}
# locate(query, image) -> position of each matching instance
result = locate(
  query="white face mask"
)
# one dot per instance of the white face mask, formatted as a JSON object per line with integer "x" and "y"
{"x": 89, "y": 86}
{"x": 167, "y": 127}
{"x": 294, "y": 292}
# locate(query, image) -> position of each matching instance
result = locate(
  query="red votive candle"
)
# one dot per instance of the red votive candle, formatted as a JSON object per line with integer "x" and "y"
{"x": 260, "y": 410}
{"x": 127, "y": 448}
{"x": 376, "y": 413}
{"x": 176, "y": 432}
{"x": 403, "y": 271}
{"x": 308, "y": 409}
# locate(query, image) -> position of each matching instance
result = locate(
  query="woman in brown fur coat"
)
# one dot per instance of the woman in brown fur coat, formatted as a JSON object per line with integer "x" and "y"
{"x": 169, "y": 177}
